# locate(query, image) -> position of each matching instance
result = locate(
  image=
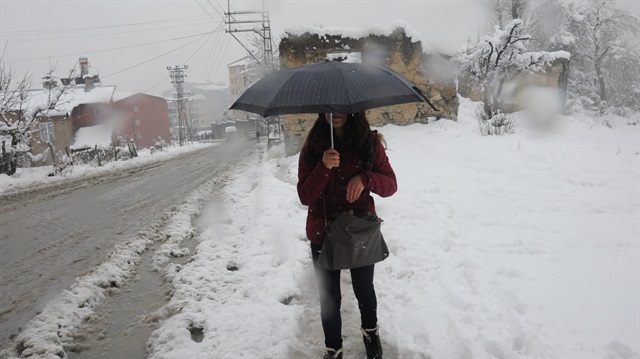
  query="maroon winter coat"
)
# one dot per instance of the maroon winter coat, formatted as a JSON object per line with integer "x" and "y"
{"x": 316, "y": 180}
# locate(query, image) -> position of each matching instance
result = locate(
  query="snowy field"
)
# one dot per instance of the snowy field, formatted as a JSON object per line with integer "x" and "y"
{"x": 517, "y": 246}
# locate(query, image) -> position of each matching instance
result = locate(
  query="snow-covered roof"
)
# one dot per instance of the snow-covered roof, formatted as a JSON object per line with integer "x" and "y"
{"x": 356, "y": 33}
{"x": 197, "y": 96}
{"x": 210, "y": 86}
{"x": 73, "y": 97}
{"x": 117, "y": 96}
{"x": 98, "y": 135}
{"x": 242, "y": 62}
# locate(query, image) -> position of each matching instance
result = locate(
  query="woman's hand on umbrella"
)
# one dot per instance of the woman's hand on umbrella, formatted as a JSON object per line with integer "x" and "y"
{"x": 331, "y": 158}
{"x": 354, "y": 189}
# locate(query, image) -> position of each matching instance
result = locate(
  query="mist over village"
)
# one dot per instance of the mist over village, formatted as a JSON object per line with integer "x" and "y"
{"x": 157, "y": 158}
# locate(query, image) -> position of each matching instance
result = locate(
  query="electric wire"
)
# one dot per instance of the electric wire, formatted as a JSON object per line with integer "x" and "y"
{"x": 210, "y": 57}
{"x": 50, "y": 31}
{"x": 157, "y": 57}
{"x": 219, "y": 57}
{"x": 103, "y": 34}
{"x": 117, "y": 48}
{"x": 205, "y": 9}
{"x": 158, "y": 84}
{"x": 198, "y": 49}
{"x": 214, "y": 49}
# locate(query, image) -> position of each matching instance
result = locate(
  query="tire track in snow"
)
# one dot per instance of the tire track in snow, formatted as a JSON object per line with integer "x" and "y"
{"x": 51, "y": 333}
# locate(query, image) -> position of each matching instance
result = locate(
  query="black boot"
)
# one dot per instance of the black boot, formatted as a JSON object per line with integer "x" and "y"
{"x": 372, "y": 343}
{"x": 333, "y": 354}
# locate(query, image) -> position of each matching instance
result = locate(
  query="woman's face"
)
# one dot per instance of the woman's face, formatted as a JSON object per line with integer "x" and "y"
{"x": 339, "y": 119}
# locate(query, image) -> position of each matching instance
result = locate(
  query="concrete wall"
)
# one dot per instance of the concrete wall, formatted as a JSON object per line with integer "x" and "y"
{"x": 428, "y": 70}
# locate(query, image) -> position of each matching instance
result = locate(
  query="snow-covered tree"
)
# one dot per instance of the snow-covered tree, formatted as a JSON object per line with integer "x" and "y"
{"x": 502, "y": 12}
{"x": 550, "y": 27}
{"x": 602, "y": 40}
{"x": 498, "y": 58}
{"x": 18, "y": 113}
{"x": 605, "y": 35}
{"x": 259, "y": 64}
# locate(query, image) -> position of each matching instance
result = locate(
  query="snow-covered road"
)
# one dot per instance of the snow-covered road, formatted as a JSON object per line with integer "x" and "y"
{"x": 53, "y": 235}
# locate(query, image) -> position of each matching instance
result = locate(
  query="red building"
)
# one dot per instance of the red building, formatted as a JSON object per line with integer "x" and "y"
{"x": 142, "y": 118}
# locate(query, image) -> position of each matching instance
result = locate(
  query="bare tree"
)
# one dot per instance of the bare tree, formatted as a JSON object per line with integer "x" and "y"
{"x": 19, "y": 112}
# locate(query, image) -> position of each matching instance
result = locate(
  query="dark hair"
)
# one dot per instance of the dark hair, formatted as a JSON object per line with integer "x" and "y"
{"x": 357, "y": 129}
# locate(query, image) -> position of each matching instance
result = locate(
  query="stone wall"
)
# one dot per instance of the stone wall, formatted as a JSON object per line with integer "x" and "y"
{"x": 427, "y": 69}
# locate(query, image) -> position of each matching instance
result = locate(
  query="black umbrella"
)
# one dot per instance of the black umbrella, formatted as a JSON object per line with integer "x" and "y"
{"x": 328, "y": 87}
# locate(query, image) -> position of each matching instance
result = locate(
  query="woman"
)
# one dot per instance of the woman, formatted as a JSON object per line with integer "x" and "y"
{"x": 334, "y": 180}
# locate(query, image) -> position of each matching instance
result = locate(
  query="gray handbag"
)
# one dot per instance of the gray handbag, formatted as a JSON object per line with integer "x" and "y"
{"x": 352, "y": 242}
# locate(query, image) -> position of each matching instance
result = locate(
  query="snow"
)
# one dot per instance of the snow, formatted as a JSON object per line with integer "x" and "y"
{"x": 357, "y": 33}
{"x": 118, "y": 95}
{"x": 70, "y": 99}
{"x": 30, "y": 178}
{"x": 517, "y": 246}
{"x": 210, "y": 86}
{"x": 91, "y": 136}
{"x": 350, "y": 57}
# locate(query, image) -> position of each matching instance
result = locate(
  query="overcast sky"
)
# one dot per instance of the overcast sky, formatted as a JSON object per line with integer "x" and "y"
{"x": 131, "y": 43}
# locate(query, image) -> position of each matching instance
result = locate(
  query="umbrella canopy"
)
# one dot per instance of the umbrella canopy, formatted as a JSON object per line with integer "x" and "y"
{"x": 329, "y": 87}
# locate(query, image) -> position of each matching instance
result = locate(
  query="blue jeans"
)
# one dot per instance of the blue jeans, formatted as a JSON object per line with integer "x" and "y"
{"x": 330, "y": 298}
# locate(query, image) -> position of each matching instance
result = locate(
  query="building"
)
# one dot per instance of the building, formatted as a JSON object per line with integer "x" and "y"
{"x": 238, "y": 82}
{"x": 78, "y": 107}
{"x": 141, "y": 118}
{"x": 204, "y": 101}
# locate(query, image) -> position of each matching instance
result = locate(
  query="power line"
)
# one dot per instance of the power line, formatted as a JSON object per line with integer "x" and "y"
{"x": 205, "y": 10}
{"x": 212, "y": 52}
{"x": 49, "y": 31}
{"x": 198, "y": 49}
{"x": 219, "y": 57}
{"x": 156, "y": 85}
{"x": 157, "y": 57}
{"x": 103, "y": 34}
{"x": 117, "y": 48}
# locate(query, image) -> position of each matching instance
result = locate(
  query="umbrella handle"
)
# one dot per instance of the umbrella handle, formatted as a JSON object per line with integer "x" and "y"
{"x": 331, "y": 127}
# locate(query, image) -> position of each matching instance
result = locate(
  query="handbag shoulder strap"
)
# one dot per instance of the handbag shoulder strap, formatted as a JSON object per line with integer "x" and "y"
{"x": 324, "y": 205}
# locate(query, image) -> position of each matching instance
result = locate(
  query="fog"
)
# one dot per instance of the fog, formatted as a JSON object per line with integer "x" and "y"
{"x": 130, "y": 44}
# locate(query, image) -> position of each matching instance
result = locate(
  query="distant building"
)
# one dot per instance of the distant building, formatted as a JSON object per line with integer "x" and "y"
{"x": 238, "y": 82}
{"x": 142, "y": 118}
{"x": 204, "y": 101}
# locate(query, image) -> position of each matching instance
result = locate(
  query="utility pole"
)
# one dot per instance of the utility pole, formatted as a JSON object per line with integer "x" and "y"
{"x": 265, "y": 31}
{"x": 238, "y": 21}
{"x": 177, "y": 79}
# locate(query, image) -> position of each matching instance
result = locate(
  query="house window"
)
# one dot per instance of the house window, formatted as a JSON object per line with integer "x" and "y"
{"x": 135, "y": 109}
{"x": 137, "y": 122}
{"x": 97, "y": 112}
{"x": 139, "y": 135}
{"x": 47, "y": 133}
